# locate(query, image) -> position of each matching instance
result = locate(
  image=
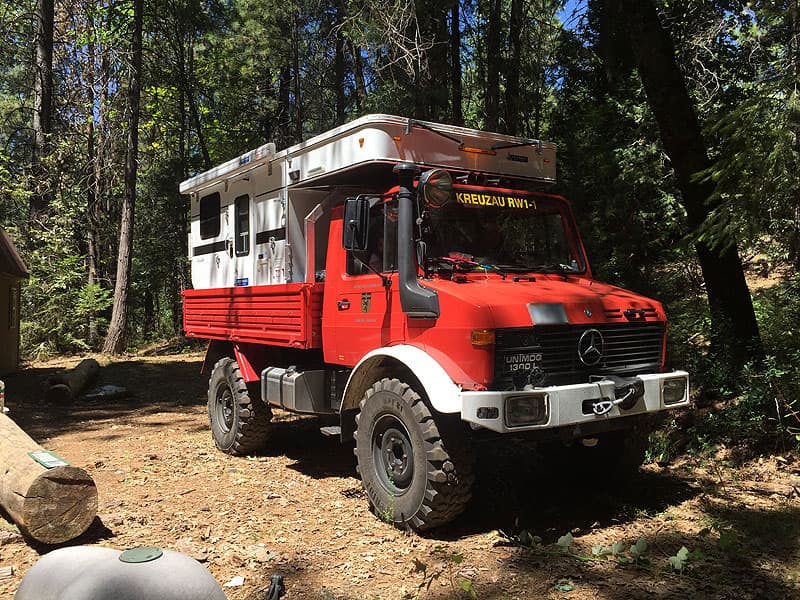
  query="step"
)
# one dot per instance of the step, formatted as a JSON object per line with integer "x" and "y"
{"x": 331, "y": 430}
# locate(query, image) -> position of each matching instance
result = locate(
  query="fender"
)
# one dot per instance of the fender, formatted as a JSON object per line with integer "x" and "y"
{"x": 249, "y": 357}
{"x": 444, "y": 395}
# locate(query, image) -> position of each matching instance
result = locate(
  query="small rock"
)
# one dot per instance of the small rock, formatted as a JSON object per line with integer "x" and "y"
{"x": 188, "y": 547}
{"x": 10, "y": 537}
{"x": 237, "y": 581}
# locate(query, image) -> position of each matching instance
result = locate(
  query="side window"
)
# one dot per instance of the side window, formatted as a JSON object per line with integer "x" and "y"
{"x": 209, "y": 216}
{"x": 242, "y": 222}
{"x": 381, "y": 253}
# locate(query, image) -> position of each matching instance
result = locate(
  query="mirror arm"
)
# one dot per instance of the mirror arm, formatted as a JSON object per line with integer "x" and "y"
{"x": 387, "y": 281}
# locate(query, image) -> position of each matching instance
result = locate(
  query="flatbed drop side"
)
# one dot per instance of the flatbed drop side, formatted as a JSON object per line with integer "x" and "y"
{"x": 414, "y": 279}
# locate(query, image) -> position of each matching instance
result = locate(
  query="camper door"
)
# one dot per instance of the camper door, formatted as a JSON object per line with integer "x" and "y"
{"x": 221, "y": 244}
{"x": 240, "y": 241}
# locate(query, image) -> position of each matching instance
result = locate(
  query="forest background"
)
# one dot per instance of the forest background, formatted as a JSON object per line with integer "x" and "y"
{"x": 677, "y": 123}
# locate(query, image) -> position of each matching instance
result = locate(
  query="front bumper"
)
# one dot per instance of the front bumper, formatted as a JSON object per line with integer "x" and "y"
{"x": 567, "y": 404}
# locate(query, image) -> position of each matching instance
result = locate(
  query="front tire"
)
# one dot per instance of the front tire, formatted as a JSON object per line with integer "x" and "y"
{"x": 240, "y": 422}
{"x": 416, "y": 472}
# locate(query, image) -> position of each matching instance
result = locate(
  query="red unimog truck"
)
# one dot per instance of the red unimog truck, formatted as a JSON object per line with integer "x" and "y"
{"x": 412, "y": 278}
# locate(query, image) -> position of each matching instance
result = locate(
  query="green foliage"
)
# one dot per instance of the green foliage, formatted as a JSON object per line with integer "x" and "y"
{"x": 565, "y": 542}
{"x": 62, "y": 302}
{"x": 635, "y": 554}
{"x": 683, "y": 558}
{"x": 445, "y": 567}
{"x": 727, "y": 538}
{"x": 767, "y": 409}
{"x": 757, "y": 172}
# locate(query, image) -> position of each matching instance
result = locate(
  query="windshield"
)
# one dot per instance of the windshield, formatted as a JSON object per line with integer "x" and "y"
{"x": 502, "y": 231}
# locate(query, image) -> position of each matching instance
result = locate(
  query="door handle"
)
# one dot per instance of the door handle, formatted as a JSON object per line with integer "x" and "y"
{"x": 343, "y": 304}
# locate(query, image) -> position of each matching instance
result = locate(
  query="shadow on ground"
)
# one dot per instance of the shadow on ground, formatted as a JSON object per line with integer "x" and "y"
{"x": 154, "y": 387}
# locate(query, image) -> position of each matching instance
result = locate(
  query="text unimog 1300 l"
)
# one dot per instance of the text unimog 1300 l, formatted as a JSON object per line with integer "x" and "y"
{"x": 409, "y": 277}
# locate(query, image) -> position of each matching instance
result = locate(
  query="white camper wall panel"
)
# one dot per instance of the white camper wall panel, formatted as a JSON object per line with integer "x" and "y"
{"x": 270, "y": 238}
{"x": 301, "y": 203}
{"x": 211, "y": 263}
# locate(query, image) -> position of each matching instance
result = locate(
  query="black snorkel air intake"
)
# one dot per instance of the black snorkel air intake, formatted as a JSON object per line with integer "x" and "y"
{"x": 418, "y": 302}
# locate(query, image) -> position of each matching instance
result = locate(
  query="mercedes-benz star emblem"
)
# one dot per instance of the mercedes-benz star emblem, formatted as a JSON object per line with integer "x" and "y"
{"x": 590, "y": 347}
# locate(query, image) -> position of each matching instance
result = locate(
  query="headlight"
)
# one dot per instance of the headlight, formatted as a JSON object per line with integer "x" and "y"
{"x": 673, "y": 390}
{"x": 530, "y": 409}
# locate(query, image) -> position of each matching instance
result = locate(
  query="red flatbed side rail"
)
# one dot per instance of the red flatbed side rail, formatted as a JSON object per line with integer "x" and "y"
{"x": 279, "y": 315}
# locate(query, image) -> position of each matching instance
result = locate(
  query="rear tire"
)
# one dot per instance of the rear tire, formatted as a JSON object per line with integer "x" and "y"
{"x": 416, "y": 472}
{"x": 240, "y": 422}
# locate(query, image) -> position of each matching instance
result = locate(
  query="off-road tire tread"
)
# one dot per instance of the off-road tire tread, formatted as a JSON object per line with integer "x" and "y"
{"x": 253, "y": 427}
{"x": 450, "y": 460}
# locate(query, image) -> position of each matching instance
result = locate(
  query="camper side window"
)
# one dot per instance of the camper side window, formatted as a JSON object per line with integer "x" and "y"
{"x": 209, "y": 216}
{"x": 242, "y": 204}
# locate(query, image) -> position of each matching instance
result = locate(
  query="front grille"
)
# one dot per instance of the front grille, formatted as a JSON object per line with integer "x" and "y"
{"x": 548, "y": 354}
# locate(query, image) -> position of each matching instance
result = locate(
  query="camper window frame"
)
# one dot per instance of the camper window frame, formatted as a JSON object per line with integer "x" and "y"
{"x": 210, "y": 215}
{"x": 241, "y": 242}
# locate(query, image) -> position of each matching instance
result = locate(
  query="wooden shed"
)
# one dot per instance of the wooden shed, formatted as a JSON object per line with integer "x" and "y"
{"x": 12, "y": 272}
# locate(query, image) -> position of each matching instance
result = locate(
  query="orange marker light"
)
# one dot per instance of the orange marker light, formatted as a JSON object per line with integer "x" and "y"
{"x": 482, "y": 337}
{"x": 474, "y": 150}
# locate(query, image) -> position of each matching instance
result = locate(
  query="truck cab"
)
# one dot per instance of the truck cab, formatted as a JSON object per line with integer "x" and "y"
{"x": 417, "y": 280}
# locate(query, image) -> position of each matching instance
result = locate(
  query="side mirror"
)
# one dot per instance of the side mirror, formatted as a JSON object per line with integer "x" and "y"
{"x": 435, "y": 188}
{"x": 355, "y": 229}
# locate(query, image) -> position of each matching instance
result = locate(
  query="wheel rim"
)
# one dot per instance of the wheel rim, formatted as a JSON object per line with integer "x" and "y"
{"x": 224, "y": 408}
{"x": 392, "y": 454}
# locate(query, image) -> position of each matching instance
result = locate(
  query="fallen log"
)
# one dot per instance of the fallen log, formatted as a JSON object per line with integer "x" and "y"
{"x": 50, "y": 505}
{"x": 67, "y": 386}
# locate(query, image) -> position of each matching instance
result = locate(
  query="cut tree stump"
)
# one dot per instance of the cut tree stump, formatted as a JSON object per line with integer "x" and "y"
{"x": 67, "y": 386}
{"x": 48, "y": 505}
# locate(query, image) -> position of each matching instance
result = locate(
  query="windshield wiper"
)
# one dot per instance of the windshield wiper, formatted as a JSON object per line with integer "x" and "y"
{"x": 465, "y": 265}
{"x": 553, "y": 268}
{"x": 494, "y": 268}
{"x": 455, "y": 264}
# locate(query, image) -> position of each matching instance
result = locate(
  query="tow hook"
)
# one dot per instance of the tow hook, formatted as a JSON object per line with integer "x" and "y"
{"x": 601, "y": 407}
{"x": 627, "y": 391}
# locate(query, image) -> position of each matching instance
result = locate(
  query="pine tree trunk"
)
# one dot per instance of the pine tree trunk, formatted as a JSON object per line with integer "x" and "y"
{"x": 794, "y": 85}
{"x": 42, "y": 106}
{"x": 92, "y": 242}
{"x": 512, "y": 70}
{"x": 298, "y": 104}
{"x": 456, "y": 83}
{"x": 439, "y": 68}
{"x": 736, "y": 332}
{"x": 117, "y": 330}
{"x": 339, "y": 64}
{"x": 358, "y": 75}
{"x": 180, "y": 276}
{"x": 493, "y": 68}
{"x": 284, "y": 112}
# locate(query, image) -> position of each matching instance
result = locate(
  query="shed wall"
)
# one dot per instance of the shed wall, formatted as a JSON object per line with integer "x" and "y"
{"x": 9, "y": 324}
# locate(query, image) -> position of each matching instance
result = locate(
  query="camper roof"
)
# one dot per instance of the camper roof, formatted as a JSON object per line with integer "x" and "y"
{"x": 391, "y": 139}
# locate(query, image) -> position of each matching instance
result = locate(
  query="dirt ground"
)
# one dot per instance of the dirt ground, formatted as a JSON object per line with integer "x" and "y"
{"x": 298, "y": 509}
